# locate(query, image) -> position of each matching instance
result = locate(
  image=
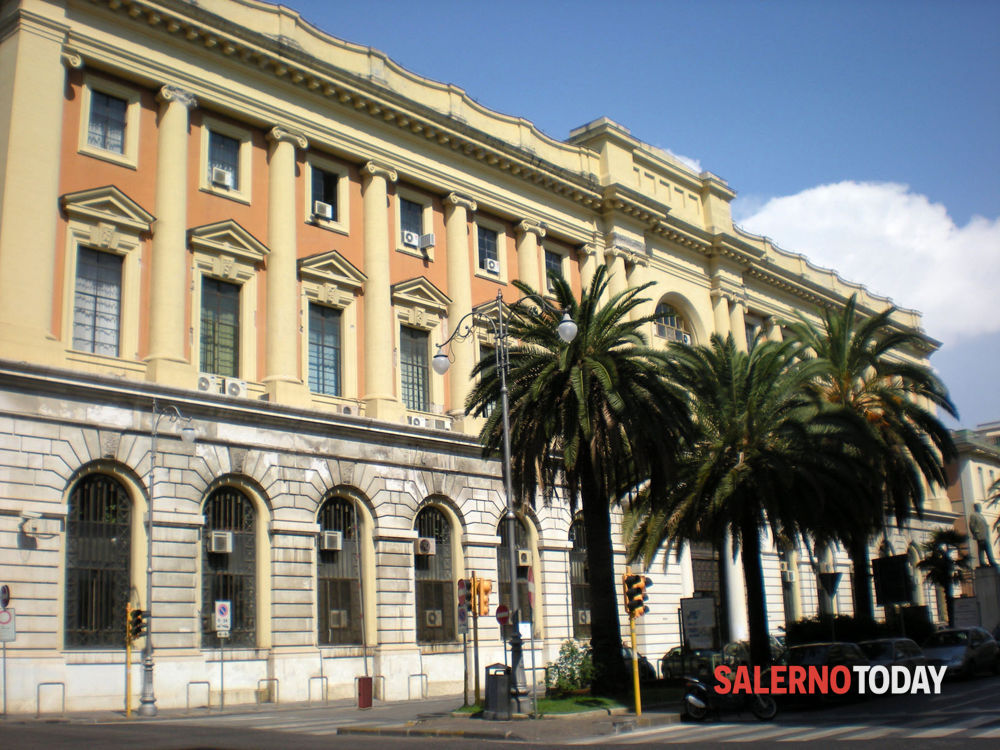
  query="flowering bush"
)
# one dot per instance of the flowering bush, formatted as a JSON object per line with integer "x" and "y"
{"x": 573, "y": 670}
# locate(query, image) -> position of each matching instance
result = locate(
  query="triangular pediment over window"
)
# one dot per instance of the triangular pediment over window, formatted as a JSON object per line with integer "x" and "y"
{"x": 107, "y": 205}
{"x": 420, "y": 292}
{"x": 228, "y": 238}
{"x": 332, "y": 268}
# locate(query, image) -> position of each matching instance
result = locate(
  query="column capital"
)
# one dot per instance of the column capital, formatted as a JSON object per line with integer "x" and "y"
{"x": 71, "y": 58}
{"x": 376, "y": 169}
{"x": 170, "y": 93}
{"x": 279, "y": 134}
{"x": 454, "y": 200}
{"x": 586, "y": 250}
{"x": 612, "y": 253}
{"x": 530, "y": 226}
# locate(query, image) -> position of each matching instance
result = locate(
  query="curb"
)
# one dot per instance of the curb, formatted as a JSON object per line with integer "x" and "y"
{"x": 406, "y": 731}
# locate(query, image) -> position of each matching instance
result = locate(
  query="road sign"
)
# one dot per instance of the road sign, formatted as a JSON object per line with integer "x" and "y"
{"x": 4, "y": 596}
{"x": 223, "y": 617}
{"x": 8, "y": 629}
{"x": 829, "y": 582}
{"x": 503, "y": 614}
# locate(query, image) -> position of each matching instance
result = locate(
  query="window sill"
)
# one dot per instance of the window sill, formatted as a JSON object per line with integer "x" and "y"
{"x": 121, "y": 160}
{"x": 426, "y": 254}
{"x": 495, "y": 278}
{"x": 237, "y": 196}
{"x": 445, "y": 647}
{"x": 337, "y": 227}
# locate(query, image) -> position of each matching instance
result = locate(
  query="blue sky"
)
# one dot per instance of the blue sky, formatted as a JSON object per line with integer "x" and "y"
{"x": 863, "y": 134}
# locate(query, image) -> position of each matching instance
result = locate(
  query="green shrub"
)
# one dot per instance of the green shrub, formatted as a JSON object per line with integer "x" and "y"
{"x": 573, "y": 670}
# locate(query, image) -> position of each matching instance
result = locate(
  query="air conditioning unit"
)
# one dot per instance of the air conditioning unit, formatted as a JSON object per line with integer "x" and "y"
{"x": 426, "y": 241}
{"x": 787, "y": 571}
{"x": 209, "y": 383}
{"x": 345, "y": 409}
{"x": 337, "y": 619}
{"x": 492, "y": 266}
{"x": 442, "y": 424}
{"x": 417, "y": 421}
{"x": 411, "y": 239}
{"x": 236, "y": 388}
{"x": 221, "y": 543}
{"x": 583, "y": 616}
{"x": 686, "y": 338}
{"x": 222, "y": 178}
{"x": 434, "y": 618}
{"x": 322, "y": 210}
{"x": 425, "y": 545}
{"x": 331, "y": 541}
{"x": 524, "y": 558}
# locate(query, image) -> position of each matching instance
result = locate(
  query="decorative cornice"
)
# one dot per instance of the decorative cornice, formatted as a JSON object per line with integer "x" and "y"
{"x": 454, "y": 200}
{"x": 170, "y": 93}
{"x": 279, "y": 134}
{"x": 530, "y": 226}
{"x": 374, "y": 169}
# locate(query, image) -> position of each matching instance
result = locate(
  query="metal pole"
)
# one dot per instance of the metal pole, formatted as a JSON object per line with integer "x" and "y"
{"x": 361, "y": 589}
{"x": 516, "y": 668}
{"x": 635, "y": 668}
{"x": 5, "y": 678}
{"x": 222, "y": 675}
{"x": 147, "y": 700}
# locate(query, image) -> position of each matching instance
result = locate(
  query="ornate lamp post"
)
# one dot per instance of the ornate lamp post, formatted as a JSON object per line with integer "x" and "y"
{"x": 497, "y": 323}
{"x": 147, "y": 701}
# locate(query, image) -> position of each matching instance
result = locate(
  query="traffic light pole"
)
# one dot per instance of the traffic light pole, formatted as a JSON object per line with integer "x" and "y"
{"x": 635, "y": 668}
{"x": 128, "y": 660}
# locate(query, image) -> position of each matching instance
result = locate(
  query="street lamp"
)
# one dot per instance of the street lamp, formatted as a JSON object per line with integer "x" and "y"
{"x": 147, "y": 701}
{"x": 567, "y": 330}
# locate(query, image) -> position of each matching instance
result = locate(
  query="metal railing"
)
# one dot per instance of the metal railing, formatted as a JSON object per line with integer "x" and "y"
{"x": 268, "y": 680}
{"x": 208, "y": 692}
{"x": 38, "y": 696}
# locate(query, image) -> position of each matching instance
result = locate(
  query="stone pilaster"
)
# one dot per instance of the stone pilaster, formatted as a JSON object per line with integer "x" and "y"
{"x": 281, "y": 367}
{"x": 529, "y": 234}
{"x": 737, "y": 323}
{"x": 617, "y": 279}
{"x": 167, "y": 362}
{"x": 720, "y": 312}
{"x": 456, "y": 217}
{"x": 380, "y": 399}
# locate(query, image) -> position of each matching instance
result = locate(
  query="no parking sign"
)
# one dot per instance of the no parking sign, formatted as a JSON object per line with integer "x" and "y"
{"x": 223, "y": 618}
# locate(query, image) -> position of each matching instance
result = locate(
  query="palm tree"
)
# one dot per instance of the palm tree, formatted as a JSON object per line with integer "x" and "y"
{"x": 766, "y": 455}
{"x": 945, "y": 564}
{"x": 596, "y": 414}
{"x": 865, "y": 366}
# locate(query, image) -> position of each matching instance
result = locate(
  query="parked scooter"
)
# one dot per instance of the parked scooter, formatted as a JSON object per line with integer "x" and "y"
{"x": 700, "y": 700}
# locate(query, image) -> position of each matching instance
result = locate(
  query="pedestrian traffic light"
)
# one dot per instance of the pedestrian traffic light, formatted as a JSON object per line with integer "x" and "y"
{"x": 635, "y": 594}
{"x": 137, "y": 625}
{"x": 483, "y": 596}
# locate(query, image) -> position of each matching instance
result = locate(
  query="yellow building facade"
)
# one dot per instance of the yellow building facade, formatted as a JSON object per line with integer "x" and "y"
{"x": 219, "y": 209}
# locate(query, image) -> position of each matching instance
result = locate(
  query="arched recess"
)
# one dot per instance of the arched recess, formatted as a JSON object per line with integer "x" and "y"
{"x": 687, "y": 317}
{"x": 579, "y": 581}
{"x": 250, "y": 537}
{"x": 436, "y": 575}
{"x": 358, "y": 529}
{"x": 104, "y": 554}
{"x": 529, "y": 575}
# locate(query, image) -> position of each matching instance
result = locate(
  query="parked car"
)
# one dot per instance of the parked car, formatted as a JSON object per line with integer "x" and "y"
{"x": 963, "y": 650}
{"x": 738, "y": 652}
{"x": 678, "y": 663}
{"x": 647, "y": 672}
{"x": 889, "y": 652}
{"x": 833, "y": 654}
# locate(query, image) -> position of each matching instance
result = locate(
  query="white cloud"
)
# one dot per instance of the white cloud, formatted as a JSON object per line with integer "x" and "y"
{"x": 686, "y": 161}
{"x": 899, "y": 245}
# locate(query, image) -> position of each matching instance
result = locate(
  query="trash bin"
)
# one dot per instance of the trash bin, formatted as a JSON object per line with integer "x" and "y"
{"x": 364, "y": 692}
{"x": 497, "y": 705}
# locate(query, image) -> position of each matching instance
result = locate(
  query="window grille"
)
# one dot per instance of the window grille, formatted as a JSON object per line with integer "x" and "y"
{"x": 106, "y": 129}
{"x": 579, "y": 580}
{"x": 230, "y": 577}
{"x": 411, "y": 216}
{"x": 324, "y": 349}
{"x": 338, "y": 579}
{"x": 324, "y": 188}
{"x": 220, "y": 327}
{"x": 434, "y": 579}
{"x": 97, "y": 304}
{"x": 522, "y": 541}
{"x": 98, "y": 553}
{"x": 553, "y": 266}
{"x": 487, "y": 248}
{"x": 224, "y": 154}
{"x": 413, "y": 368}
{"x": 670, "y": 324}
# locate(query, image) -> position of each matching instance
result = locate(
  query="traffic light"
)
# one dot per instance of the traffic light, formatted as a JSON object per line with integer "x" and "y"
{"x": 483, "y": 596}
{"x": 137, "y": 624}
{"x": 634, "y": 587}
{"x": 469, "y": 594}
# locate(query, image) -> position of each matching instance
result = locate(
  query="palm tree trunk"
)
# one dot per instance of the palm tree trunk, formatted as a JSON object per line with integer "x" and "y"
{"x": 760, "y": 648}
{"x": 949, "y": 604}
{"x": 861, "y": 590}
{"x": 605, "y": 640}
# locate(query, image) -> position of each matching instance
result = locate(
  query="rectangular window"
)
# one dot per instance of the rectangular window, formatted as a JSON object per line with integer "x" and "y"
{"x": 223, "y": 158}
{"x": 411, "y": 222}
{"x": 324, "y": 189}
{"x": 553, "y": 265}
{"x": 220, "y": 327}
{"x": 413, "y": 368}
{"x": 324, "y": 349}
{"x": 97, "y": 305}
{"x": 107, "y": 122}
{"x": 489, "y": 260}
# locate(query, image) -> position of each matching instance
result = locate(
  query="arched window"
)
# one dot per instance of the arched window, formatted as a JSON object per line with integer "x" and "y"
{"x": 670, "y": 324}
{"x": 579, "y": 581}
{"x": 98, "y": 552}
{"x": 525, "y": 572}
{"x": 338, "y": 580}
{"x": 229, "y": 567}
{"x": 436, "y": 598}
